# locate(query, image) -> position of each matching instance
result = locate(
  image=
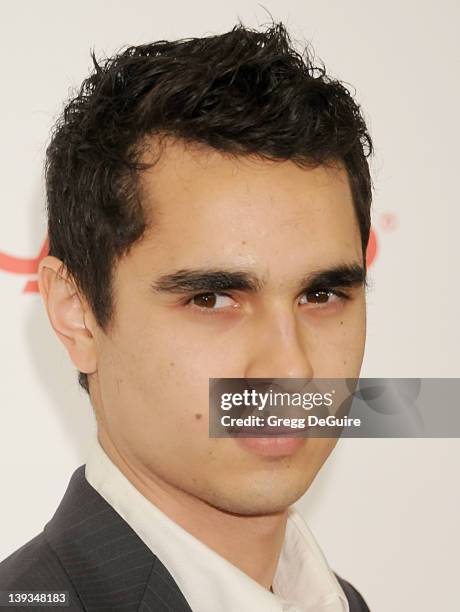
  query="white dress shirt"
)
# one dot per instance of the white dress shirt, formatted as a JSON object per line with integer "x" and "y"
{"x": 303, "y": 580}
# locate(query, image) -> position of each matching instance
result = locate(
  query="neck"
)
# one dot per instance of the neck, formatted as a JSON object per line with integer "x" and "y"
{"x": 251, "y": 543}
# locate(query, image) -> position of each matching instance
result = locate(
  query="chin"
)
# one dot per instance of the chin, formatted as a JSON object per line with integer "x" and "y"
{"x": 261, "y": 496}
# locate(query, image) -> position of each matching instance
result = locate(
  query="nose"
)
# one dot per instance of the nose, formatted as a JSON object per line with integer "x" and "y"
{"x": 279, "y": 349}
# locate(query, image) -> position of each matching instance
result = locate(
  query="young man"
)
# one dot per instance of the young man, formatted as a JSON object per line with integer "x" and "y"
{"x": 209, "y": 212}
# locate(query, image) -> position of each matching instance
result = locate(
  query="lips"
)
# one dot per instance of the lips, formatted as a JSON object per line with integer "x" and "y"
{"x": 270, "y": 431}
{"x": 271, "y": 447}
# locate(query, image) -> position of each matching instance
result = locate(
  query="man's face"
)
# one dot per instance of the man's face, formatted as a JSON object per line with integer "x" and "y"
{"x": 276, "y": 222}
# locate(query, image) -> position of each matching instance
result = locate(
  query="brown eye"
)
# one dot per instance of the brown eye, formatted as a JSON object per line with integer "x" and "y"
{"x": 211, "y": 301}
{"x": 322, "y": 297}
{"x": 205, "y": 300}
{"x": 318, "y": 297}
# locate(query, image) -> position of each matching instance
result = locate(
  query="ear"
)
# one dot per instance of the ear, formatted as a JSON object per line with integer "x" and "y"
{"x": 68, "y": 313}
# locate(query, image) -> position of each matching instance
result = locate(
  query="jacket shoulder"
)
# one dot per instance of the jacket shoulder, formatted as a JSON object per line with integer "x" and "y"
{"x": 35, "y": 567}
{"x": 355, "y": 599}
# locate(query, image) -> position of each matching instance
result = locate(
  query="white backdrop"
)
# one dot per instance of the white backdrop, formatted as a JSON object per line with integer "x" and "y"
{"x": 384, "y": 511}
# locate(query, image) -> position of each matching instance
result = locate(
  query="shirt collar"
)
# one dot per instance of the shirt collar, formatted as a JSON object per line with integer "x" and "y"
{"x": 303, "y": 581}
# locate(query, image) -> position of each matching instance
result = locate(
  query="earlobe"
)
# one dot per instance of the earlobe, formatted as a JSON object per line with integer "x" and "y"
{"x": 66, "y": 311}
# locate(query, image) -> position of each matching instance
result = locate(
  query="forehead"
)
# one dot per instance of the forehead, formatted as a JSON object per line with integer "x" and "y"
{"x": 205, "y": 206}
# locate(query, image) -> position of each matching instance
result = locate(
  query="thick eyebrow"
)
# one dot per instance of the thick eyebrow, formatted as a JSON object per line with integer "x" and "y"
{"x": 216, "y": 280}
{"x": 343, "y": 276}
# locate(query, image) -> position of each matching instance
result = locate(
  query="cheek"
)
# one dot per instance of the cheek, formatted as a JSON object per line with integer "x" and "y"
{"x": 164, "y": 365}
{"x": 169, "y": 385}
{"x": 159, "y": 408}
{"x": 353, "y": 342}
{"x": 337, "y": 345}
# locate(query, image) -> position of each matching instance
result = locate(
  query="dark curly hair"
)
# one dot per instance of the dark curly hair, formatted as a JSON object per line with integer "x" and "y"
{"x": 242, "y": 92}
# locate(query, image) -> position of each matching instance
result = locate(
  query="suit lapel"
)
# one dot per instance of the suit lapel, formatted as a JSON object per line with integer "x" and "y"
{"x": 109, "y": 565}
{"x": 162, "y": 593}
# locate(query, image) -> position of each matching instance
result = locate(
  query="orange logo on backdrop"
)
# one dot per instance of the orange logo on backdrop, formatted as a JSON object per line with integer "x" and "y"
{"x": 24, "y": 265}
{"x": 29, "y": 266}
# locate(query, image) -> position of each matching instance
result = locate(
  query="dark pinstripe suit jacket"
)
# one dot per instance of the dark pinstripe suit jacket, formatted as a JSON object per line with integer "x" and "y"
{"x": 88, "y": 550}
